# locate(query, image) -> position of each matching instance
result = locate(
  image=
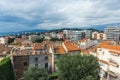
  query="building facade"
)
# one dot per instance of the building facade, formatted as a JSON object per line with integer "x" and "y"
{"x": 109, "y": 60}
{"x": 98, "y": 36}
{"x": 113, "y": 33}
{"x": 74, "y": 35}
{"x": 21, "y": 63}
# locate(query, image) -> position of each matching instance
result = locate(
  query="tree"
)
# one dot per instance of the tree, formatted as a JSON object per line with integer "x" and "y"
{"x": 56, "y": 39}
{"x": 78, "y": 67}
{"x": 6, "y": 70}
{"x": 39, "y": 40}
{"x": 35, "y": 73}
{"x": 10, "y": 40}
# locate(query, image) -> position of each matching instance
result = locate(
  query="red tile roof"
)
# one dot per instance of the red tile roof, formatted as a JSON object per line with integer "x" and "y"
{"x": 4, "y": 48}
{"x": 18, "y": 40}
{"x": 38, "y": 46}
{"x": 71, "y": 46}
{"x": 84, "y": 40}
{"x": 60, "y": 50}
{"x": 85, "y": 51}
{"x": 111, "y": 47}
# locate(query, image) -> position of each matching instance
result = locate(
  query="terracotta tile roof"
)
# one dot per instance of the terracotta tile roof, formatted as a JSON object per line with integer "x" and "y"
{"x": 22, "y": 52}
{"x": 71, "y": 46}
{"x": 83, "y": 40}
{"x": 94, "y": 49}
{"x": 38, "y": 46}
{"x": 56, "y": 43}
{"x": 111, "y": 47}
{"x": 19, "y": 40}
{"x": 67, "y": 40}
{"x": 107, "y": 42}
{"x": 85, "y": 51}
{"x": 60, "y": 50}
{"x": 27, "y": 43}
{"x": 4, "y": 48}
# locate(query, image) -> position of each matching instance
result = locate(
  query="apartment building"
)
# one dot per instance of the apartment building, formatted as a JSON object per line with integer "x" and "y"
{"x": 86, "y": 43}
{"x": 109, "y": 60}
{"x": 74, "y": 35}
{"x": 88, "y": 33}
{"x": 98, "y": 36}
{"x": 113, "y": 33}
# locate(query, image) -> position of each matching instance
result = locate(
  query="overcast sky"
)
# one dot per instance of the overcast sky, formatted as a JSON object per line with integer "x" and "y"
{"x": 17, "y": 15}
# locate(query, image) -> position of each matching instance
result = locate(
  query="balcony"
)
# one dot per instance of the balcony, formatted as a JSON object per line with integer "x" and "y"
{"x": 103, "y": 78}
{"x": 113, "y": 63}
{"x": 114, "y": 53}
{"x": 112, "y": 74}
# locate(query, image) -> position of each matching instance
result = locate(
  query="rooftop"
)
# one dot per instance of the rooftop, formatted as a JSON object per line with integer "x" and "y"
{"x": 71, "y": 46}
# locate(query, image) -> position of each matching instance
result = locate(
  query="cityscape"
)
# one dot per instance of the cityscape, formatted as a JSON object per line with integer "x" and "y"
{"x": 59, "y": 40}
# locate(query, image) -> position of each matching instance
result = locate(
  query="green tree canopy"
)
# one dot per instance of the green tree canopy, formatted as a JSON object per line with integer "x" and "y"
{"x": 10, "y": 40}
{"x": 6, "y": 70}
{"x": 56, "y": 39}
{"x": 35, "y": 73}
{"x": 78, "y": 67}
{"x": 38, "y": 40}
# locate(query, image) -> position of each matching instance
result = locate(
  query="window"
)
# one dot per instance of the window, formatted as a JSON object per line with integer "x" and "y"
{"x": 36, "y": 59}
{"x": 105, "y": 75}
{"x": 46, "y": 57}
{"x": 100, "y": 49}
{"x": 36, "y": 65}
{"x": 103, "y": 53}
{"x": 25, "y": 63}
{"x": 46, "y": 65}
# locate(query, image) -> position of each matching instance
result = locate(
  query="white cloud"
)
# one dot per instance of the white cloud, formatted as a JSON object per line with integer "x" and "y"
{"x": 61, "y": 13}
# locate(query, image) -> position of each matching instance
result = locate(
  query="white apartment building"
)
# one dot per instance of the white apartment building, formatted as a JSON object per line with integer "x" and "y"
{"x": 98, "y": 36}
{"x": 86, "y": 43}
{"x": 109, "y": 59}
{"x": 3, "y": 40}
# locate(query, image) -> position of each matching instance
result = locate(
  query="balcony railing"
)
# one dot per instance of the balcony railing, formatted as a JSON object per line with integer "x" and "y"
{"x": 112, "y": 74}
{"x": 113, "y": 63}
{"x": 103, "y": 78}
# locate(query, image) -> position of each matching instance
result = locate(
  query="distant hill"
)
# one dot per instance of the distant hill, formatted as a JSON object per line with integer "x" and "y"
{"x": 92, "y": 27}
{"x": 14, "y": 33}
{"x": 103, "y": 26}
{"x": 36, "y": 30}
